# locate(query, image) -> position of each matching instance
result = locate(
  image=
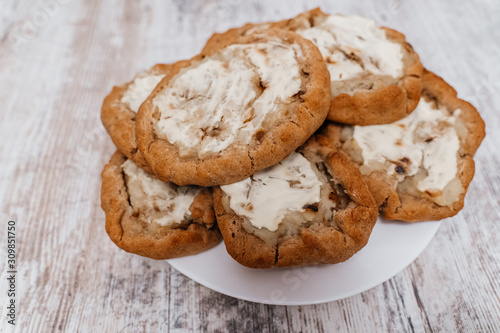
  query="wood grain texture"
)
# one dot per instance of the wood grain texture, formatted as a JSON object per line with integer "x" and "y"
{"x": 58, "y": 61}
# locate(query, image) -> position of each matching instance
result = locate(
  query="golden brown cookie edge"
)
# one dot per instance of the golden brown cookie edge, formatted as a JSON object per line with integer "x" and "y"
{"x": 119, "y": 121}
{"x": 238, "y": 163}
{"x": 403, "y": 206}
{"x": 174, "y": 243}
{"x": 317, "y": 244}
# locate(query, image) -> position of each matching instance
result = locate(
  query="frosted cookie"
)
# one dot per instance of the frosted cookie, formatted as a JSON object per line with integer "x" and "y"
{"x": 418, "y": 168}
{"x": 120, "y": 109}
{"x": 155, "y": 219}
{"x": 311, "y": 208}
{"x": 235, "y": 110}
{"x": 374, "y": 72}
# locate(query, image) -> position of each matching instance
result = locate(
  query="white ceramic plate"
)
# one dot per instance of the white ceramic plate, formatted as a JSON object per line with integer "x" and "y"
{"x": 392, "y": 247}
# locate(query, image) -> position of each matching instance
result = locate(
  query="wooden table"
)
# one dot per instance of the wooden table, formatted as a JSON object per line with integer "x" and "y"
{"x": 60, "y": 58}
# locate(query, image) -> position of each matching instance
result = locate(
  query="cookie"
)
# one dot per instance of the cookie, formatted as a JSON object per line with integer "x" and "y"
{"x": 311, "y": 208}
{"x": 418, "y": 168}
{"x": 375, "y": 74}
{"x": 155, "y": 219}
{"x": 234, "y": 110}
{"x": 120, "y": 108}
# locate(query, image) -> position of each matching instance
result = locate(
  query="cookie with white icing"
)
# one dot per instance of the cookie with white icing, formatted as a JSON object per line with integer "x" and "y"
{"x": 418, "y": 168}
{"x": 375, "y": 74}
{"x": 311, "y": 208}
{"x": 234, "y": 110}
{"x": 120, "y": 107}
{"x": 154, "y": 219}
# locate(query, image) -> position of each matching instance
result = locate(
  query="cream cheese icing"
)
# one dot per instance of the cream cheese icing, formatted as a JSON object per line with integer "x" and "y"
{"x": 267, "y": 196}
{"x": 139, "y": 90}
{"x": 352, "y": 45}
{"x": 227, "y": 98}
{"x": 426, "y": 139}
{"x": 164, "y": 203}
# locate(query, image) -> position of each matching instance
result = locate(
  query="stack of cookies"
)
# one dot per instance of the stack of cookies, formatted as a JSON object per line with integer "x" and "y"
{"x": 285, "y": 140}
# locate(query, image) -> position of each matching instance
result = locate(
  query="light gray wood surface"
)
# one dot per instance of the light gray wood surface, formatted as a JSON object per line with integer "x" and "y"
{"x": 57, "y": 62}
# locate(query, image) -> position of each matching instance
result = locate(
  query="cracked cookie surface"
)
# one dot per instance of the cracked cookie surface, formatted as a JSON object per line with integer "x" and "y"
{"x": 120, "y": 107}
{"x": 154, "y": 219}
{"x": 311, "y": 208}
{"x": 375, "y": 74}
{"x": 234, "y": 110}
{"x": 418, "y": 168}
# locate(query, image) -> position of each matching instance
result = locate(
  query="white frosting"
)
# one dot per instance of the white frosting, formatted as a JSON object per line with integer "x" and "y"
{"x": 258, "y": 28}
{"x": 266, "y": 197}
{"x": 427, "y": 138}
{"x": 338, "y": 36}
{"x": 218, "y": 101}
{"x": 139, "y": 90}
{"x": 164, "y": 203}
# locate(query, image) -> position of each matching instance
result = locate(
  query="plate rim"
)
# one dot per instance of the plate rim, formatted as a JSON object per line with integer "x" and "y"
{"x": 208, "y": 284}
